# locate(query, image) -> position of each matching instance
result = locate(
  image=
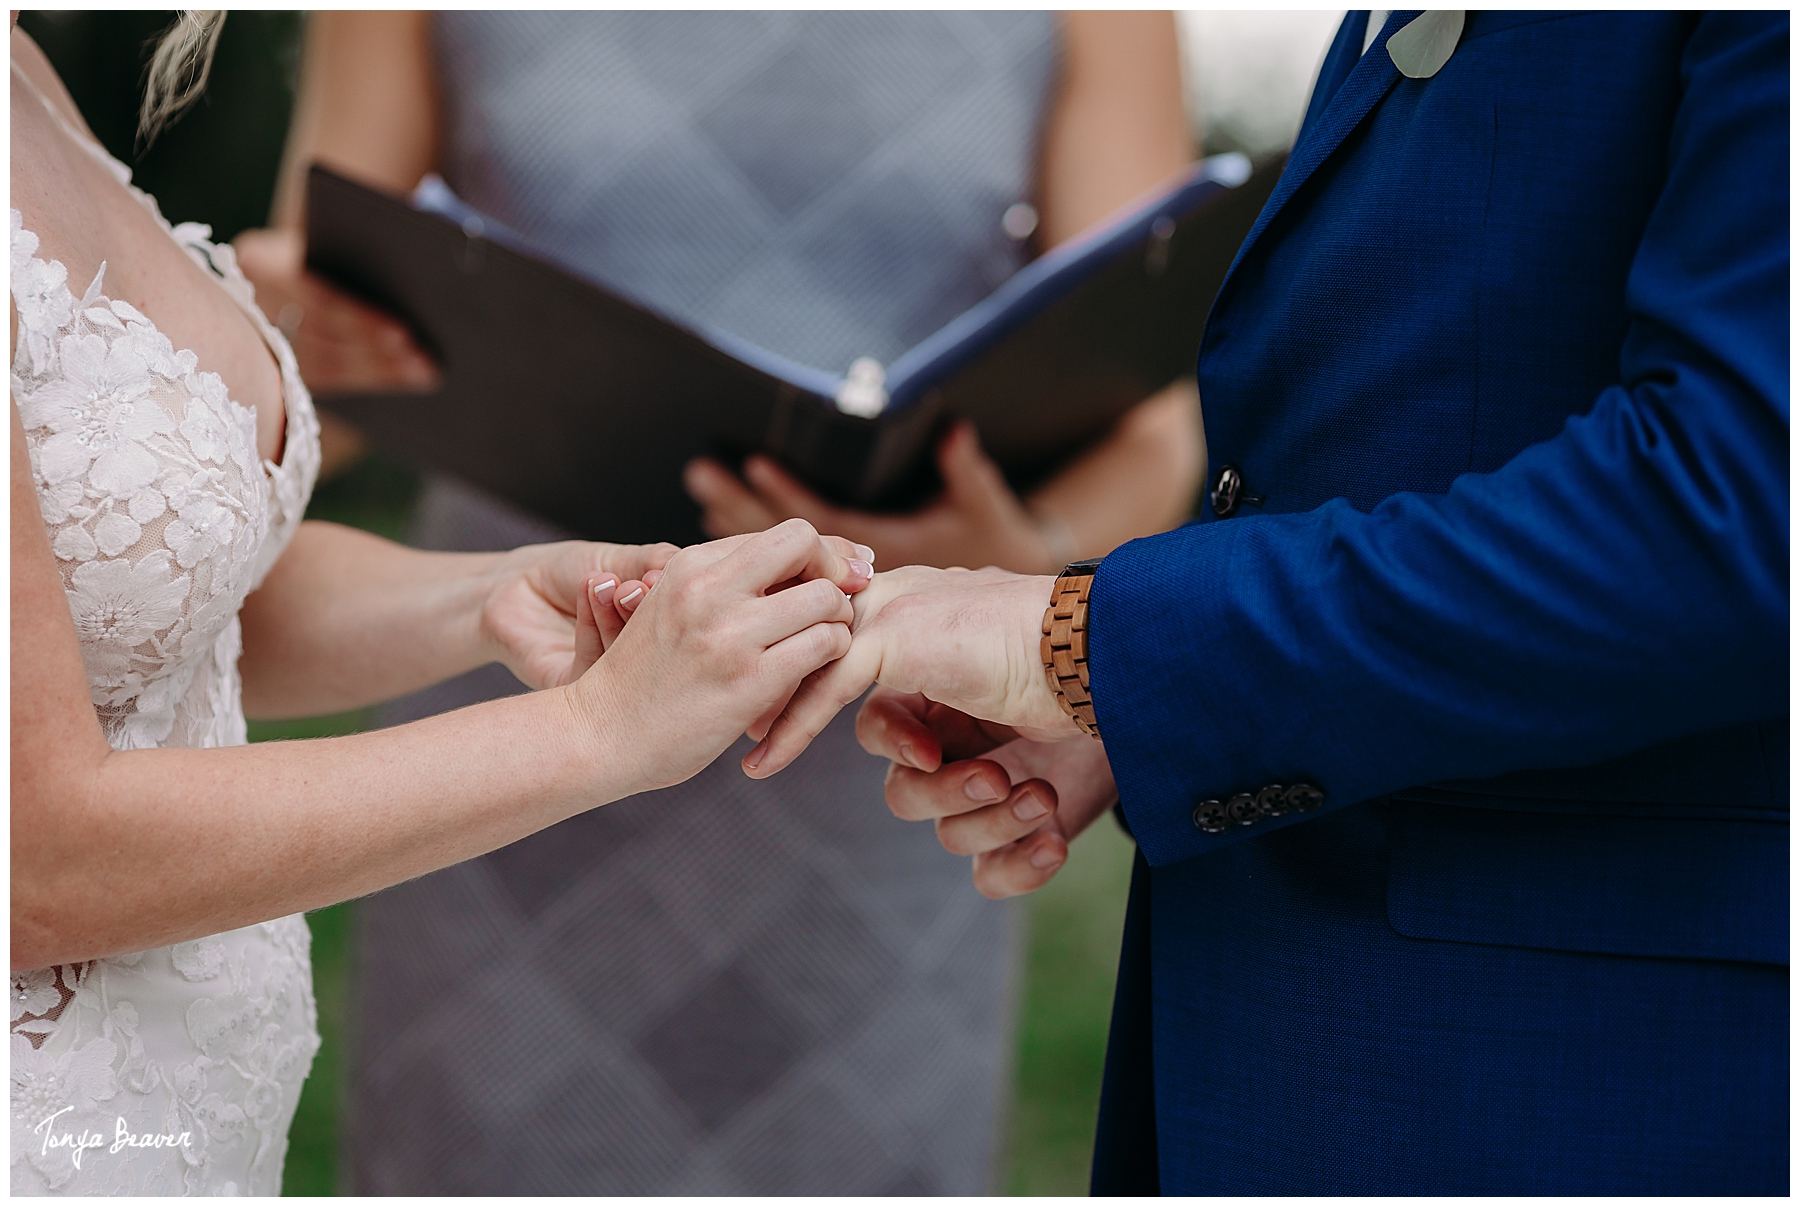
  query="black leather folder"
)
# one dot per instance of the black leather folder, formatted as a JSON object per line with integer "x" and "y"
{"x": 567, "y": 397}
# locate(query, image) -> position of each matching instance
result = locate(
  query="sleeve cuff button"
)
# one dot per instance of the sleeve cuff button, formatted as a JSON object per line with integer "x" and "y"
{"x": 1210, "y": 817}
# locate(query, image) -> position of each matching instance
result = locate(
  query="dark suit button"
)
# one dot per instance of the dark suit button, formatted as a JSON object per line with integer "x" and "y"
{"x": 1210, "y": 817}
{"x": 1242, "y": 808}
{"x": 1304, "y": 798}
{"x": 1272, "y": 801}
{"x": 1228, "y": 489}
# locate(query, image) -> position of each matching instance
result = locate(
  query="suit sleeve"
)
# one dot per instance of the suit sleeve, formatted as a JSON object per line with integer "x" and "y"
{"x": 1621, "y": 584}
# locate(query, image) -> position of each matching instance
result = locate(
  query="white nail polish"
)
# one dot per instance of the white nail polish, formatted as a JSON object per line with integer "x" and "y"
{"x": 635, "y": 592}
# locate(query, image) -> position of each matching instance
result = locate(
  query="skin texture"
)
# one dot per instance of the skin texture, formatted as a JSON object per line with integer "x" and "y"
{"x": 962, "y": 708}
{"x": 1116, "y": 130}
{"x": 1011, "y": 803}
{"x": 118, "y": 851}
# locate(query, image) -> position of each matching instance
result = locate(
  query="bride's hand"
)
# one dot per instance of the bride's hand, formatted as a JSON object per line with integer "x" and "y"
{"x": 728, "y": 632}
{"x": 552, "y": 610}
{"x": 539, "y": 617}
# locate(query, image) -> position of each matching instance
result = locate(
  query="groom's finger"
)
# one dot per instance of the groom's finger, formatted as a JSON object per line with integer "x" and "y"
{"x": 891, "y": 725}
{"x": 956, "y": 789}
{"x": 978, "y": 831}
{"x": 820, "y": 698}
{"x": 1023, "y": 867}
{"x": 759, "y": 728}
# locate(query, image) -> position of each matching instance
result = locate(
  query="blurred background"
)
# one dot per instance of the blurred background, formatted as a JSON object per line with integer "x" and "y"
{"x": 1248, "y": 75}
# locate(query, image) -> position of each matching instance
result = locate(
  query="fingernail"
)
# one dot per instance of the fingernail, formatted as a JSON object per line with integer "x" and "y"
{"x": 603, "y": 591}
{"x": 1045, "y": 857}
{"x": 908, "y": 757}
{"x": 861, "y": 569}
{"x": 866, "y": 553}
{"x": 630, "y": 599}
{"x": 755, "y": 757}
{"x": 1029, "y": 809}
{"x": 977, "y": 789}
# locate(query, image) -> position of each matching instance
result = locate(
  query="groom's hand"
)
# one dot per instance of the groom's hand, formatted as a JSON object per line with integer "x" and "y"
{"x": 1011, "y": 804}
{"x": 965, "y": 638}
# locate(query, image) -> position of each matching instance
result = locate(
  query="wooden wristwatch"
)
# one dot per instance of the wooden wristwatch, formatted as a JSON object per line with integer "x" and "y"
{"x": 1064, "y": 646}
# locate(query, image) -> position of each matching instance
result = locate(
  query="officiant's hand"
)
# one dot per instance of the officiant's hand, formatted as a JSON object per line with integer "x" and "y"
{"x": 342, "y": 345}
{"x": 1010, "y": 803}
{"x": 968, "y": 639}
{"x": 550, "y": 611}
{"x": 976, "y": 521}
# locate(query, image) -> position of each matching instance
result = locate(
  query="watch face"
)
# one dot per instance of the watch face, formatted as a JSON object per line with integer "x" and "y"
{"x": 1080, "y": 568}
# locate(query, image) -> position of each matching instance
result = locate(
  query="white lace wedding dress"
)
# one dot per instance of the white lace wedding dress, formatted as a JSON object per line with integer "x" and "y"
{"x": 162, "y": 518}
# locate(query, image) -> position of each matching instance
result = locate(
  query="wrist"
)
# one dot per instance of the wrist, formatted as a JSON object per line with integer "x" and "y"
{"x": 1037, "y": 708}
{"x": 597, "y": 728}
{"x": 484, "y": 579}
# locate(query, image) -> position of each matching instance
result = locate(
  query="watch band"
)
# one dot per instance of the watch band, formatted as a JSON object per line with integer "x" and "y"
{"x": 1064, "y": 644}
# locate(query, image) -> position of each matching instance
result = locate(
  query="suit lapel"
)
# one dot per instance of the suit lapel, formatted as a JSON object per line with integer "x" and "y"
{"x": 1332, "y": 115}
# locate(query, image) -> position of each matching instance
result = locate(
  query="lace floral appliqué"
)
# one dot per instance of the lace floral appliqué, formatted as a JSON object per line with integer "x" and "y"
{"x": 162, "y": 518}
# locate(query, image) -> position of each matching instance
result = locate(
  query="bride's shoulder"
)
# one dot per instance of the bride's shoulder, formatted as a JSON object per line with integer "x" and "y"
{"x": 32, "y": 69}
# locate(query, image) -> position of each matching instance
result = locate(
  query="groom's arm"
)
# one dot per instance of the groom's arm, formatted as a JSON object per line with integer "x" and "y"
{"x": 1621, "y": 584}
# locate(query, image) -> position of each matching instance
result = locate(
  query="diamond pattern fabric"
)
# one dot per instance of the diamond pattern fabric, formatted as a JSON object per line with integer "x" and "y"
{"x": 728, "y": 986}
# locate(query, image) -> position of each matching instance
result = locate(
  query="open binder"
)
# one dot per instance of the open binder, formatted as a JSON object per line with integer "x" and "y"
{"x": 582, "y": 405}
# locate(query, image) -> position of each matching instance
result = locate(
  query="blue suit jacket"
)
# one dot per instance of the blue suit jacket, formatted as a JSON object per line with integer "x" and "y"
{"x": 1505, "y": 363}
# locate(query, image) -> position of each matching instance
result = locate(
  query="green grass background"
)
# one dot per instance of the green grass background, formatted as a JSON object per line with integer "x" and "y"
{"x": 218, "y": 165}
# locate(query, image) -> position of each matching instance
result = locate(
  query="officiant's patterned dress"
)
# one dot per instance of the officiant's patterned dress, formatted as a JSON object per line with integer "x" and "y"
{"x": 729, "y": 986}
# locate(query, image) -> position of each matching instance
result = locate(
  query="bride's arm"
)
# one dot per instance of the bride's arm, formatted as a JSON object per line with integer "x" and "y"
{"x": 347, "y": 619}
{"x": 118, "y": 851}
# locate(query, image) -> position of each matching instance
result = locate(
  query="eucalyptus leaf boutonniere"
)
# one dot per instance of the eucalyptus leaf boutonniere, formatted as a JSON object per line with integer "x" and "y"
{"x": 1422, "y": 46}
